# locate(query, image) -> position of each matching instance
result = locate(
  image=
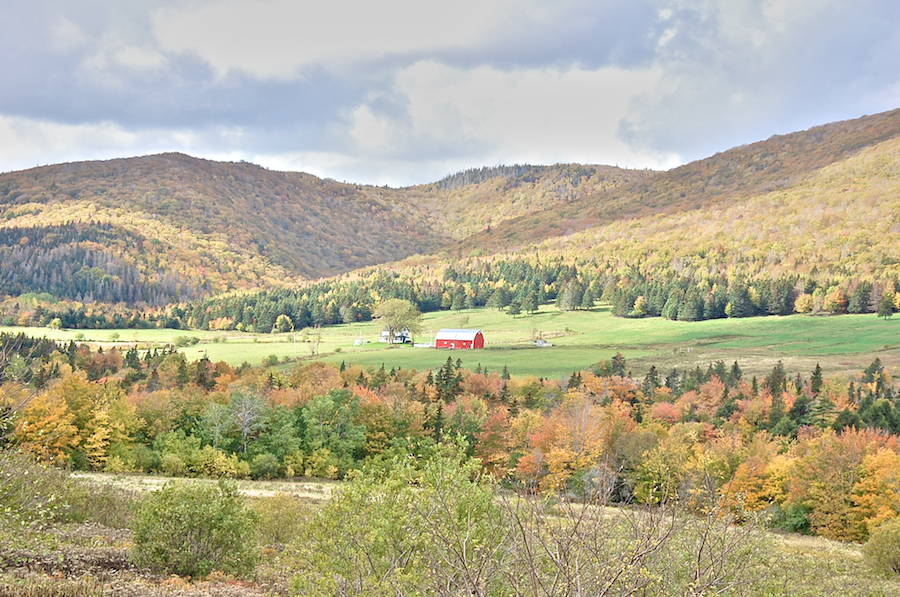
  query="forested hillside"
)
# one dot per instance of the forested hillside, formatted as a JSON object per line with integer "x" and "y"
{"x": 806, "y": 217}
{"x": 779, "y": 163}
{"x": 237, "y": 225}
{"x": 477, "y": 200}
{"x": 165, "y": 228}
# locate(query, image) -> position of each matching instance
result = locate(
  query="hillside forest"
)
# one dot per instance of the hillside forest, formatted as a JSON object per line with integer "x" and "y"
{"x": 456, "y": 459}
{"x": 800, "y": 223}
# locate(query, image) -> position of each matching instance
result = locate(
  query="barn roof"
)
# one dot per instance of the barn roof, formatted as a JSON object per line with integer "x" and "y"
{"x": 447, "y": 334}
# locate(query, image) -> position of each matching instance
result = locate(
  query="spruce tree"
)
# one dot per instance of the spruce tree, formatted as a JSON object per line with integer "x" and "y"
{"x": 815, "y": 381}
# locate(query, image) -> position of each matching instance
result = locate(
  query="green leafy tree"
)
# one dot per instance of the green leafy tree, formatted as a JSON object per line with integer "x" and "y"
{"x": 283, "y": 323}
{"x": 331, "y": 429}
{"x": 397, "y": 315}
{"x": 429, "y": 526}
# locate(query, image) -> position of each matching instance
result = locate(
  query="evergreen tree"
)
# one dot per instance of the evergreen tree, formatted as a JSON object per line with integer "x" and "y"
{"x": 651, "y": 382}
{"x": 815, "y": 381}
{"x": 886, "y": 305}
{"x": 734, "y": 376}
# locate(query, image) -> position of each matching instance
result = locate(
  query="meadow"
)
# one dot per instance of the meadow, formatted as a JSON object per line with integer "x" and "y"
{"x": 578, "y": 339}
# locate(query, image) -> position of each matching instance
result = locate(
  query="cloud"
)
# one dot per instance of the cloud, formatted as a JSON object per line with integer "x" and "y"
{"x": 735, "y": 71}
{"x": 405, "y": 91}
{"x": 280, "y": 39}
{"x": 452, "y": 118}
{"x": 26, "y": 143}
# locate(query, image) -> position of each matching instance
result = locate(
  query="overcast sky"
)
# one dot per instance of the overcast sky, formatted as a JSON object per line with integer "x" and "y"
{"x": 406, "y": 91}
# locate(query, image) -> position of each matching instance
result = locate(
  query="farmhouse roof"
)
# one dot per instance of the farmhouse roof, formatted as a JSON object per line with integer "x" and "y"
{"x": 447, "y": 334}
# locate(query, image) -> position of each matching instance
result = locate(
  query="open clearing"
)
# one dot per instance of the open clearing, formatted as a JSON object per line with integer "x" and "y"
{"x": 807, "y": 566}
{"x": 312, "y": 490}
{"x": 845, "y": 343}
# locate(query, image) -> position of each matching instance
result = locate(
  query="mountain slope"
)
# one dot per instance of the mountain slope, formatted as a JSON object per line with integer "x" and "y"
{"x": 232, "y": 225}
{"x": 776, "y": 163}
{"x": 166, "y": 228}
{"x": 841, "y": 222}
{"x": 162, "y": 228}
{"x": 477, "y": 200}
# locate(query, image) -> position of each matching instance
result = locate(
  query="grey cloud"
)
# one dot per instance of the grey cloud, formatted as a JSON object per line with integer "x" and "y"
{"x": 727, "y": 78}
{"x": 583, "y": 34}
{"x": 721, "y": 89}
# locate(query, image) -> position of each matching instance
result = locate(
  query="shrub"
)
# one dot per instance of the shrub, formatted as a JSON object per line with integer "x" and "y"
{"x": 194, "y": 529}
{"x": 105, "y": 504}
{"x": 282, "y": 518}
{"x": 31, "y": 495}
{"x": 172, "y": 465}
{"x": 883, "y": 547}
{"x": 265, "y": 466}
{"x": 182, "y": 341}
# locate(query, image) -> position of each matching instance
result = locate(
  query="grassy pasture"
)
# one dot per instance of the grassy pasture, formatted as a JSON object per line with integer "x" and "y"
{"x": 845, "y": 343}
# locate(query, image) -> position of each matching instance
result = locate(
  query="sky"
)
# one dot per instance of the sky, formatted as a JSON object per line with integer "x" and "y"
{"x": 402, "y": 92}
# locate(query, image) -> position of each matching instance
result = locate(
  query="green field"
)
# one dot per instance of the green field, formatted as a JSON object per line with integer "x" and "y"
{"x": 579, "y": 339}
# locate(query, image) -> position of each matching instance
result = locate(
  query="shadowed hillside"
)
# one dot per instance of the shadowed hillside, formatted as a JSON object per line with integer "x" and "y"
{"x": 170, "y": 227}
{"x": 236, "y": 225}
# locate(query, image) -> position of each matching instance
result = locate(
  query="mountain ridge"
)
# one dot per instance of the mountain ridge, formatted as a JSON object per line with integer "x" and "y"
{"x": 170, "y": 227}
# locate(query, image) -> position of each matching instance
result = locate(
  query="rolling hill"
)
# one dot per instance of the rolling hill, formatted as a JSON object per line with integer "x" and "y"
{"x": 167, "y": 228}
{"x": 778, "y": 163}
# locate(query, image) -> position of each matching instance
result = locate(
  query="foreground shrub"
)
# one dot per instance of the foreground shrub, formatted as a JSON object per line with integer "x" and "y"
{"x": 192, "y": 530}
{"x": 31, "y": 495}
{"x": 883, "y": 547}
{"x": 105, "y": 504}
{"x": 440, "y": 528}
{"x": 282, "y": 518}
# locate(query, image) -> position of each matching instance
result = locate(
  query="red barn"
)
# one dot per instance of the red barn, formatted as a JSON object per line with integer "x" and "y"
{"x": 459, "y": 339}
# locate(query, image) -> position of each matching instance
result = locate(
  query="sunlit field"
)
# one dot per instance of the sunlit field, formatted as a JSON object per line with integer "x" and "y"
{"x": 578, "y": 339}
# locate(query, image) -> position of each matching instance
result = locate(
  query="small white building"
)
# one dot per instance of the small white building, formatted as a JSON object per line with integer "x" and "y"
{"x": 400, "y": 337}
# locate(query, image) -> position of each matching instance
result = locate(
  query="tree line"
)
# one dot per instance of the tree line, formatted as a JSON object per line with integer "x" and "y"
{"x": 516, "y": 286}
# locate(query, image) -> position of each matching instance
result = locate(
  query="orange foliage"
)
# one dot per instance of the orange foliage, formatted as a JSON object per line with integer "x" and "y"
{"x": 482, "y": 385}
{"x": 493, "y": 442}
{"x": 824, "y": 476}
{"x": 666, "y": 412}
{"x": 611, "y": 388}
{"x": 760, "y": 480}
{"x": 876, "y": 496}
{"x": 314, "y": 379}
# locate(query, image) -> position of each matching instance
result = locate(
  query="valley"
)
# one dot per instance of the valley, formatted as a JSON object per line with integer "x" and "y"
{"x": 701, "y": 363}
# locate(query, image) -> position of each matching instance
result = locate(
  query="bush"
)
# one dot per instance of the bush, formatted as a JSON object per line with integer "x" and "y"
{"x": 110, "y": 506}
{"x": 265, "y": 466}
{"x": 182, "y": 341}
{"x": 191, "y": 530}
{"x": 31, "y": 495}
{"x": 282, "y": 518}
{"x": 883, "y": 547}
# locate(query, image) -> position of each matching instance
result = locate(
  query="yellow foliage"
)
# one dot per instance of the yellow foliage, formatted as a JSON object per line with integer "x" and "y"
{"x": 45, "y": 428}
{"x": 876, "y": 496}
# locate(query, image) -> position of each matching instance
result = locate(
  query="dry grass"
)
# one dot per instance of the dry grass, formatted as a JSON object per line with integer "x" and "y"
{"x": 313, "y": 490}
